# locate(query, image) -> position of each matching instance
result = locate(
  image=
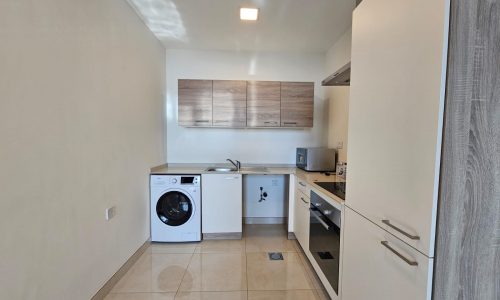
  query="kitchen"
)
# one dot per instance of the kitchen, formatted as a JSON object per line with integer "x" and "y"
{"x": 96, "y": 96}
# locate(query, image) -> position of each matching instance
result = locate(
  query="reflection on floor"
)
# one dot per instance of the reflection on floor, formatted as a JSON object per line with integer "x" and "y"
{"x": 223, "y": 269}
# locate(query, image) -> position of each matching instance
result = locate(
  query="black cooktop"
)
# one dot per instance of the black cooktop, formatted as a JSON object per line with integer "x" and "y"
{"x": 336, "y": 188}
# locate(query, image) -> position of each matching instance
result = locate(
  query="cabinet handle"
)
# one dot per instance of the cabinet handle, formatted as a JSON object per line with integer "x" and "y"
{"x": 302, "y": 184}
{"x": 268, "y": 122}
{"x": 413, "y": 237}
{"x": 410, "y": 262}
{"x": 231, "y": 178}
{"x": 290, "y": 123}
{"x": 221, "y": 121}
{"x": 202, "y": 121}
{"x": 301, "y": 198}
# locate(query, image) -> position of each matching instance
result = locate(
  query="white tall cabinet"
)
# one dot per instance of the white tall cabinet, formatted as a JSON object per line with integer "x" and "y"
{"x": 398, "y": 73}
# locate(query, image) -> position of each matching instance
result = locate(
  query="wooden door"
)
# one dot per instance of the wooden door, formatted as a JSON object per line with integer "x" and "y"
{"x": 297, "y": 104}
{"x": 195, "y": 102}
{"x": 263, "y": 103}
{"x": 229, "y": 103}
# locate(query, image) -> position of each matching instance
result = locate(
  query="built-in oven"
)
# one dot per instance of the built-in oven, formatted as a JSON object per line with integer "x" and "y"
{"x": 324, "y": 237}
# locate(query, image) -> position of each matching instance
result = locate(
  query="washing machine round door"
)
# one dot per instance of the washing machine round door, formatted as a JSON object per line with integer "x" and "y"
{"x": 174, "y": 208}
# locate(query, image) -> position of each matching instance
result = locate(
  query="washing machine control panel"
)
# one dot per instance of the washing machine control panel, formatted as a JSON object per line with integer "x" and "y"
{"x": 175, "y": 180}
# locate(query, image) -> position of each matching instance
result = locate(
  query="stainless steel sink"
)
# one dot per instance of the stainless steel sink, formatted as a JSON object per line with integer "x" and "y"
{"x": 214, "y": 169}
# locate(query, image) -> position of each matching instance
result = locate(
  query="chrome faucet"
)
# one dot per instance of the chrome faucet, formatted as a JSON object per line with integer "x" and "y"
{"x": 237, "y": 164}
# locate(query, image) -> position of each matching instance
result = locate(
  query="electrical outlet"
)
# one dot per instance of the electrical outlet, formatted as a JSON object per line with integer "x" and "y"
{"x": 110, "y": 212}
{"x": 340, "y": 145}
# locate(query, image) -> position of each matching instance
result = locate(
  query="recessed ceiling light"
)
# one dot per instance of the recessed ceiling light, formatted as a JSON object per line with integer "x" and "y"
{"x": 249, "y": 13}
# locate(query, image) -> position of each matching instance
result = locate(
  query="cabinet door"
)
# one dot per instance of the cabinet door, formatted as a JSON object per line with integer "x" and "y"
{"x": 263, "y": 104}
{"x": 297, "y": 104}
{"x": 195, "y": 102}
{"x": 302, "y": 219}
{"x": 221, "y": 203}
{"x": 395, "y": 115}
{"x": 372, "y": 271}
{"x": 229, "y": 103}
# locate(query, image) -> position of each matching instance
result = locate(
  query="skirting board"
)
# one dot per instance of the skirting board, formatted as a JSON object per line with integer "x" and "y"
{"x": 223, "y": 236}
{"x": 265, "y": 220}
{"x": 108, "y": 286}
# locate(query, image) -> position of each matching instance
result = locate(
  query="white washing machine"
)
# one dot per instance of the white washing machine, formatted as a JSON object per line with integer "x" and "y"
{"x": 175, "y": 208}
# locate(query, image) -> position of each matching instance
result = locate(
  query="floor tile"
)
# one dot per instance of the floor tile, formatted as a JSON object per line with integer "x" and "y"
{"x": 283, "y": 295}
{"x": 311, "y": 273}
{"x": 322, "y": 294}
{"x": 286, "y": 274}
{"x": 236, "y": 295}
{"x": 173, "y": 247}
{"x": 221, "y": 246}
{"x": 268, "y": 230}
{"x": 216, "y": 272}
{"x": 155, "y": 272}
{"x": 140, "y": 296}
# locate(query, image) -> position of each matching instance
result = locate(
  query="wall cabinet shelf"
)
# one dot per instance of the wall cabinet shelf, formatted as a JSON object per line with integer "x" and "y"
{"x": 263, "y": 102}
{"x": 195, "y": 102}
{"x": 229, "y": 103}
{"x": 245, "y": 104}
{"x": 297, "y": 104}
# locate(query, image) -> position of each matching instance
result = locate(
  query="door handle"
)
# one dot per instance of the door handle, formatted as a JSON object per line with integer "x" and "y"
{"x": 327, "y": 227}
{"x": 410, "y": 262}
{"x": 413, "y": 237}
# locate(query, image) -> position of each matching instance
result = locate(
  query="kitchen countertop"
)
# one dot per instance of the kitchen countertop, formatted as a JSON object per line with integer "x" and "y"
{"x": 272, "y": 169}
{"x": 311, "y": 177}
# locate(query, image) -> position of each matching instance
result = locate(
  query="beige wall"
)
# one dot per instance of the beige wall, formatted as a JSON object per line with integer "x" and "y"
{"x": 81, "y": 86}
{"x": 337, "y": 56}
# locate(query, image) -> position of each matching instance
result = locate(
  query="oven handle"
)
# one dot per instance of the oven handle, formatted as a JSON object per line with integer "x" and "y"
{"x": 327, "y": 227}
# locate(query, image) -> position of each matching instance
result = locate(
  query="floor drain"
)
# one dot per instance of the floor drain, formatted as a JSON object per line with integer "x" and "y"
{"x": 275, "y": 256}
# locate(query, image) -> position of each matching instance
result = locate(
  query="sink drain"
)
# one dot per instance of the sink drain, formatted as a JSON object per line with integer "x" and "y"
{"x": 275, "y": 256}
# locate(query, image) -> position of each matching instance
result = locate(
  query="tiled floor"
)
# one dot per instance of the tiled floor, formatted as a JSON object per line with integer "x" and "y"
{"x": 223, "y": 269}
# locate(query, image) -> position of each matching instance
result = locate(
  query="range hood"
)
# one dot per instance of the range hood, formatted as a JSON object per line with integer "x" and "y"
{"x": 341, "y": 77}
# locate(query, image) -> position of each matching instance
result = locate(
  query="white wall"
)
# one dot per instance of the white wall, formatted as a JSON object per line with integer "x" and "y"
{"x": 338, "y": 97}
{"x": 80, "y": 124}
{"x": 209, "y": 145}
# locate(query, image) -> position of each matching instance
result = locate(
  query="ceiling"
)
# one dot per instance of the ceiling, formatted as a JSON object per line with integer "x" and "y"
{"x": 283, "y": 25}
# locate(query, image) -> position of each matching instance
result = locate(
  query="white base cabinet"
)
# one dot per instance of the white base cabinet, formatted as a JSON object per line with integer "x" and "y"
{"x": 301, "y": 220}
{"x": 222, "y": 203}
{"x": 372, "y": 271}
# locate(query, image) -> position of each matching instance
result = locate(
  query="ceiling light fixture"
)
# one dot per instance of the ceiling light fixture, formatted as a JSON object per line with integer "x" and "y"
{"x": 249, "y": 14}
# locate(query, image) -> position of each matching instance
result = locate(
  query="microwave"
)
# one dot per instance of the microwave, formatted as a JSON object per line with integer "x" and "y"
{"x": 316, "y": 159}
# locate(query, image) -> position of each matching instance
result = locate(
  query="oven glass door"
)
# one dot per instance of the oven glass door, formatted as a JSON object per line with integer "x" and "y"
{"x": 324, "y": 244}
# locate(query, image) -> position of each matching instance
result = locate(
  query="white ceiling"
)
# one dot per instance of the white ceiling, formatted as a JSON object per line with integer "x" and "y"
{"x": 283, "y": 25}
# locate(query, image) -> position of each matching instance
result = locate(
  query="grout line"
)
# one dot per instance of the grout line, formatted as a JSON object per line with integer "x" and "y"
{"x": 184, "y": 274}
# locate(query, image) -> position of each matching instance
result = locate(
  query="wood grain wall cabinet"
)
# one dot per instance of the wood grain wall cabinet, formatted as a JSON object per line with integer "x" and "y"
{"x": 263, "y": 103}
{"x": 297, "y": 104}
{"x": 195, "y": 102}
{"x": 229, "y": 103}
